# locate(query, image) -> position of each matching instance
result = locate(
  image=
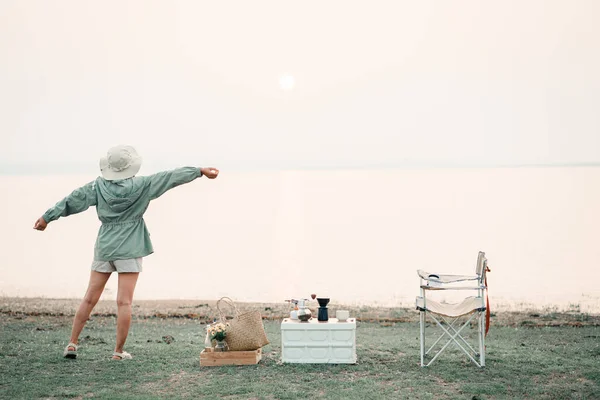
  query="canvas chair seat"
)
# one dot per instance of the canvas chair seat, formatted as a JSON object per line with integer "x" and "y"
{"x": 467, "y": 306}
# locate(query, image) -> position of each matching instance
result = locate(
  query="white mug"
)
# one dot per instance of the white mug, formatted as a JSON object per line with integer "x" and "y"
{"x": 342, "y": 315}
{"x": 434, "y": 281}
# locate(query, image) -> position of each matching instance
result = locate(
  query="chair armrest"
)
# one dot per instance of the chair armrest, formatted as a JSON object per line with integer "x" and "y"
{"x": 427, "y": 287}
{"x": 445, "y": 278}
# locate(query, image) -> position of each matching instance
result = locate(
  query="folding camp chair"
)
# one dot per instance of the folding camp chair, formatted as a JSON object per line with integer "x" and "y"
{"x": 449, "y": 316}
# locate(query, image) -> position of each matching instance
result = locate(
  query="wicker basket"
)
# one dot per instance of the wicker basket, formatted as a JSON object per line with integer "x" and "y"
{"x": 246, "y": 331}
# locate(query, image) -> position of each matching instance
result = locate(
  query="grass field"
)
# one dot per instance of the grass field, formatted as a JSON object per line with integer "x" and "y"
{"x": 524, "y": 360}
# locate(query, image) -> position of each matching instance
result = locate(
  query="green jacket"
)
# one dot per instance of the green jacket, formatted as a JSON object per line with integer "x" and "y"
{"x": 121, "y": 206}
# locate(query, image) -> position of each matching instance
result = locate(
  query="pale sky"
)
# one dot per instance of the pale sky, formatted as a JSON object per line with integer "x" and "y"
{"x": 372, "y": 83}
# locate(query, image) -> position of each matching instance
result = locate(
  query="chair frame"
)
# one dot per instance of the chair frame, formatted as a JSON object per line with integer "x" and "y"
{"x": 446, "y": 323}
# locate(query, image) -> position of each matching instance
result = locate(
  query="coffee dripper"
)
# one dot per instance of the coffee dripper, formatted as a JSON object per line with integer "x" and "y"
{"x": 323, "y": 314}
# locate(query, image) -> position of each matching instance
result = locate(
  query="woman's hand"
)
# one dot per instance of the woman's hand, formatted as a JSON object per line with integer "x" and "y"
{"x": 40, "y": 224}
{"x": 210, "y": 173}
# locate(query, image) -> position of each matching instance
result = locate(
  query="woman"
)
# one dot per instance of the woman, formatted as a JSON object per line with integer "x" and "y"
{"x": 121, "y": 199}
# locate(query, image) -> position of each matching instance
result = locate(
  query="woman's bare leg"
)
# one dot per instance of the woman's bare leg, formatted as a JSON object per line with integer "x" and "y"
{"x": 92, "y": 295}
{"x": 127, "y": 283}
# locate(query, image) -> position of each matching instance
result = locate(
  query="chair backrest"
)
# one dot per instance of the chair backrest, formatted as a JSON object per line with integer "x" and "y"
{"x": 481, "y": 265}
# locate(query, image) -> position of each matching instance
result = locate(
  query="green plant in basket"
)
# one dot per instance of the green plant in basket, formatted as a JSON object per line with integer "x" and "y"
{"x": 218, "y": 331}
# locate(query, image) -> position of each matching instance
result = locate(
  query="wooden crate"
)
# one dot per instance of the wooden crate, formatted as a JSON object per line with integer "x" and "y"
{"x": 212, "y": 358}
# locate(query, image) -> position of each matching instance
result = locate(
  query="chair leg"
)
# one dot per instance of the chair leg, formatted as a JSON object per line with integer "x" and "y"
{"x": 422, "y": 329}
{"x": 442, "y": 335}
{"x": 452, "y": 339}
{"x": 451, "y": 327}
{"x": 482, "y": 339}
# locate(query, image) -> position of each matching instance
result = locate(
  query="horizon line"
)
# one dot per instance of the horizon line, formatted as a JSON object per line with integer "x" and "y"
{"x": 84, "y": 168}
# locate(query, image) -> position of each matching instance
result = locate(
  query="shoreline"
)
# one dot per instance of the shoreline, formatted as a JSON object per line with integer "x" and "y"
{"x": 205, "y": 311}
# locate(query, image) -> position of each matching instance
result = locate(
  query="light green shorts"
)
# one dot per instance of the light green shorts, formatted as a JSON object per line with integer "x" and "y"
{"x": 120, "y": 266}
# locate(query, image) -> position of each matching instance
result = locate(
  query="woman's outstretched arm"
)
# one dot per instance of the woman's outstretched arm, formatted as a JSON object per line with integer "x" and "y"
{"x": 79, "y": 200}
{"x": 164, "y": 181}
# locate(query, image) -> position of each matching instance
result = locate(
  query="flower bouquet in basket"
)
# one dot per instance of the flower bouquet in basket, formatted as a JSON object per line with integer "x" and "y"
{"x": 218, "y": 332}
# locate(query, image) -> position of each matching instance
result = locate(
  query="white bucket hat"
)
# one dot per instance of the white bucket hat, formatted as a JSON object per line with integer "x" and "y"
{"x": 121, "y": 162}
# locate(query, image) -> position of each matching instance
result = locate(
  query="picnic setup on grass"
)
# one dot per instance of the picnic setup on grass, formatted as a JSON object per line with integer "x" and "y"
{"x": 306, "y": 339}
